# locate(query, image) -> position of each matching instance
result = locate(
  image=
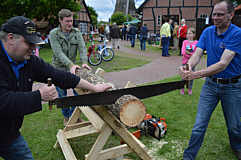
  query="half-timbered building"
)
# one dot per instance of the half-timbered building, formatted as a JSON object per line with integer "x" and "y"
{"x": 195, "y": 12}
{"x": 82, "y": 19}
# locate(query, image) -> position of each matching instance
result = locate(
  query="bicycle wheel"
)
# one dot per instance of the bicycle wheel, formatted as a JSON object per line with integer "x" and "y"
{"x": 107, "y": 54}
{"x": 94, "y": 59}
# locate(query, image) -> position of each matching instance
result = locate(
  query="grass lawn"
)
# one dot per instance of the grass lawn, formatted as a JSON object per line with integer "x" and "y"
{"x": 121, "y": 61}
{"x": 40, "y": 129}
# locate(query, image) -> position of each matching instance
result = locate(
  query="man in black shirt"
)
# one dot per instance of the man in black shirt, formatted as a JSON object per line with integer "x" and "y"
{"x": 18, "y": 70}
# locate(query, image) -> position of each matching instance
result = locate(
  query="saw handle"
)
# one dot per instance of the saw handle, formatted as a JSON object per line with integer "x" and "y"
{"x": 50, "y": 102}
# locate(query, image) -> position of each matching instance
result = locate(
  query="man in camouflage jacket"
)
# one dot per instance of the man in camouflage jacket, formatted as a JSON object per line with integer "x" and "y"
{"x": 65, "y": 42}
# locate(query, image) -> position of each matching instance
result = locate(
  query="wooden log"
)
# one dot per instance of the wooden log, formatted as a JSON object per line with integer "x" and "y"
{"x": 129, "y": 109}
{"x": 89, "y": 76}
{"x": 100, "y": 72}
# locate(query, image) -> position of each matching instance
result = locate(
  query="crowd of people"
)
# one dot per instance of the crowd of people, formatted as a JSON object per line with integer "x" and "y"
{"x": 128, "y": 32}
{"x": 178, "y": 33}
{"x": 131, "y": 32}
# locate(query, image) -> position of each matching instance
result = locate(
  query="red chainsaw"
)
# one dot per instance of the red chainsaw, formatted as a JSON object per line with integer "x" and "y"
{"x": 151, "y": 126}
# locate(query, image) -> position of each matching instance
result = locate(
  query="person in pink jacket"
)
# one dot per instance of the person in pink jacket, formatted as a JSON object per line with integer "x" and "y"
{"x": 188, "y": 48}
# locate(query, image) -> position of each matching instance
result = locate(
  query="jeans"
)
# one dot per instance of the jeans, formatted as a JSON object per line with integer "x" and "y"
{"x": 18, "y": 150}
{"x": 67, "y": 112}
{"x": 211, "y": 94}
{"x": 123, "y": 36}
{"x": 132, "y": 38}
{"x": 143, "y": 44}
{"x": 165, "y": 46}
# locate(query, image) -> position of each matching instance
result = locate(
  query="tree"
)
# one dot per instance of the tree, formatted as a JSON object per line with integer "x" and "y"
{"x": 129, "y": 17}
{"x": 93, "y": 15}
{"x": 40, "y": 9}
{"x": 236, "y": 2}
{"x": 118, "y": 17}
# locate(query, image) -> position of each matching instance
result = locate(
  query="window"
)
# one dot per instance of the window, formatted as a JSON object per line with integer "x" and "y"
{"x": 159, "y": 19}
{"x": 83, "y": 27}
{"x": 203, "y": 16}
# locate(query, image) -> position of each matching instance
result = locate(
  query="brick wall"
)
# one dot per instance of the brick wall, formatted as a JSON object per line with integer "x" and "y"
{"x": 188, "y": 11}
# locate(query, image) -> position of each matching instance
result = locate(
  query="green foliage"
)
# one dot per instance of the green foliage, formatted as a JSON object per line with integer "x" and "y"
{"x": 94, "y": 20}
{"x": 118, "y": 17}
{"x": 236, "y": 2}
{"x": 40, "y": 9}
{"x": 93, "y": 15}
{"x": 129, "y": 18}
{"x": 92, "y": 11}
{"x": 102, "y": 23}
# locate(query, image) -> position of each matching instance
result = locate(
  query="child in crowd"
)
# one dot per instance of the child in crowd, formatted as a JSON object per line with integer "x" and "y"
{"x": 188, "y": 48}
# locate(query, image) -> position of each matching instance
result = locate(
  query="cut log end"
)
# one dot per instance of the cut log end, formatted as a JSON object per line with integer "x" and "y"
{"x": 132, "y": 110}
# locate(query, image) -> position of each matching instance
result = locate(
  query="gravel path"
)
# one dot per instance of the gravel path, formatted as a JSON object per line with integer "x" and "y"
{"x": 159, "y": 68}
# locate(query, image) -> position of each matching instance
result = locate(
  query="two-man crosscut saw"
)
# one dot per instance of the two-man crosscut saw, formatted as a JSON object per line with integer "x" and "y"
{"x": 109, "y": 97}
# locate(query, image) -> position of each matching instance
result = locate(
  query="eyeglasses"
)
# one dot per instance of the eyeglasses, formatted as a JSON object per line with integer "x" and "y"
{"x": 218, "y": 14}
{"x": 68, "y": 21}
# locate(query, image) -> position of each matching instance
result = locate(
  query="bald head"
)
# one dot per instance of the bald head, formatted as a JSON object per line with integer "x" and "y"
{"x": 228, "y": 4}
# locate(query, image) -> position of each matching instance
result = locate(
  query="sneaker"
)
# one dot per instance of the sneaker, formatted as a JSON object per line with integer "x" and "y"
{"x": 66, "y": 121}
{"x": 237, "y": 154}
{"x": 190, "y": 91}
{"x": 182, "y": 91}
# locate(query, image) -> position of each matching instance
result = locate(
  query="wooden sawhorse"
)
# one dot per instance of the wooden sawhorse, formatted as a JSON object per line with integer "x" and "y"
{"x": 103, "y": 122}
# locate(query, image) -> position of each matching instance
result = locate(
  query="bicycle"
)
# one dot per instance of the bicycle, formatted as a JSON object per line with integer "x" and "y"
{"x": 102, "y": 52}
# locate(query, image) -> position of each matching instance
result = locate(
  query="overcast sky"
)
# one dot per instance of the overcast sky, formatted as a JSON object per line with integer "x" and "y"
{"x": 105, "y": 8}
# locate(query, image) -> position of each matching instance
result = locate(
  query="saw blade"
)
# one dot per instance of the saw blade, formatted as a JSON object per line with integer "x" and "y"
{"x": 109, "y": 97}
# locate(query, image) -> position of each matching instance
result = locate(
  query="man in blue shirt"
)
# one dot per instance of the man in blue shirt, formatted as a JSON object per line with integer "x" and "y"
{"x": 222, "y": 42}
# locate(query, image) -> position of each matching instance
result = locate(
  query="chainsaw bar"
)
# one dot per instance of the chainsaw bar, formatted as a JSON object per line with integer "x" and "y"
{"x": 109, "y": 97}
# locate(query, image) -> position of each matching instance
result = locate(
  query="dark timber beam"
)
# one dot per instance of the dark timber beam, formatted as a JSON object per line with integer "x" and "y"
{"x": 149, "y": 20}
{"x": 168, "y": 10}
{"x": 154, "y": 17}
{"x": 180, "y": 12}
{"x": 197, "y": 2}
